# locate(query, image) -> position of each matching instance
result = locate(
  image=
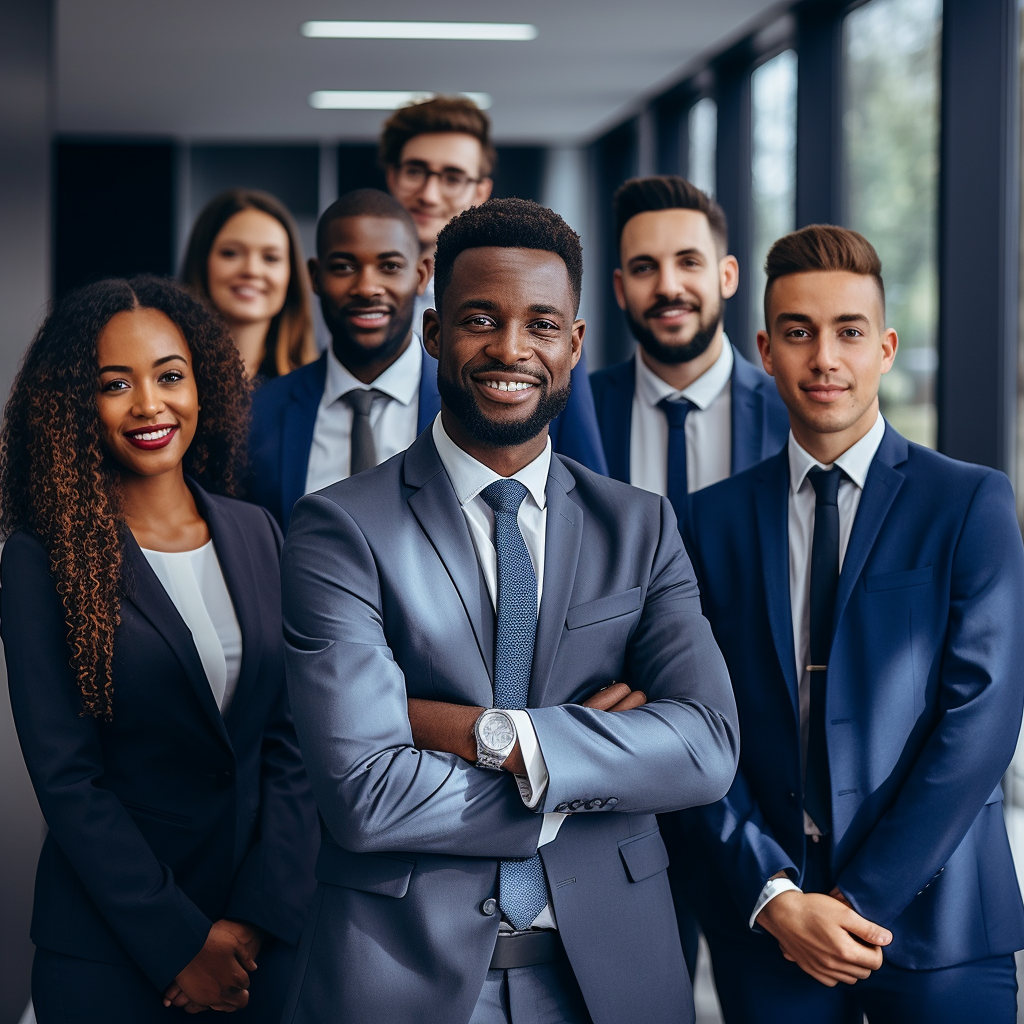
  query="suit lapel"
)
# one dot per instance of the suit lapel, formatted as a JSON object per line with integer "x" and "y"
{"x": 142, "y": 587}
{"x": 747, "y": 424}
{"x": 430, "y": 398}
{"x": 563, "y": 536}
{"x": 616, "y": 415}
{"x": 437, "y": 510}
{"x": 299, "y": 423}
{"x": 880, "y": 488}
{"x": 772, "y": 501}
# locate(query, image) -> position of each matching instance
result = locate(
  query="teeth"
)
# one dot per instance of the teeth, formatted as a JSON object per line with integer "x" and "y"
{"x": 501, "y": 385}
{"x": 370, "y": 316}
{"x": 153, "y": 435}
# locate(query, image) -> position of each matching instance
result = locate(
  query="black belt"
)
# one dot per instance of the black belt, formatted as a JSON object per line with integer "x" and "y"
{"x": 526, "y": 949}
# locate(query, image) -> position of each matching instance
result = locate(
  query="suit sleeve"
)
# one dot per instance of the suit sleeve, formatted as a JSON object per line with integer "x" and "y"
{"x": 981, "y": 693}
{"x": 156, "y": 922}
{"x": 678, "y": 750}
{"x": 575, "y": 433}
{"x": 274, "y": 884}
{"x": 375, "y": 790}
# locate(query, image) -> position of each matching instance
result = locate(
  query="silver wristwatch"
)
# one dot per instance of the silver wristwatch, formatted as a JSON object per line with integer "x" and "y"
{"x": 495, "y": 734}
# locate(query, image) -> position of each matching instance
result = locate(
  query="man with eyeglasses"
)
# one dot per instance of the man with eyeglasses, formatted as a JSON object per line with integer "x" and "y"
{"x": 438, "y": 159}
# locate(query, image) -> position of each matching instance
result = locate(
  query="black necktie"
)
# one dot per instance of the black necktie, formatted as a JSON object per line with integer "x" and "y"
{"x": 364, "y": 451}
{"x": 676, "y": 411}
{"x": 824, "y": 581}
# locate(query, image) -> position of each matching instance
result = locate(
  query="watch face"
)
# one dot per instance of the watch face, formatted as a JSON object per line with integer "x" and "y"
{"x": 496, "y": 731}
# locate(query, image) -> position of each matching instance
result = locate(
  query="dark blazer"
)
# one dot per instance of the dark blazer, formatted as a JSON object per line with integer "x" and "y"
{"x": 925, "y": 688}
{"x": 384, "y": 599}
{"x": 760, "y": 423}
{"x": 284, "y": 415}
{"x": 170, "y": 816}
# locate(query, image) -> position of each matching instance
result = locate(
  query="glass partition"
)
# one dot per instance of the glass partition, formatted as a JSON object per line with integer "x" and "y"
{"x": 703, "y": 134}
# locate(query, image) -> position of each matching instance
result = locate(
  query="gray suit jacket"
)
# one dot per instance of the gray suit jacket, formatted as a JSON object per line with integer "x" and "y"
{"x": 384, "y": 599}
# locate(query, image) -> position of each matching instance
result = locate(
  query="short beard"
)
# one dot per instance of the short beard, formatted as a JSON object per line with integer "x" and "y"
{"x": 353, "y": 355}
{"x": 673, "y": 355}
{"x": 459, "y": 398}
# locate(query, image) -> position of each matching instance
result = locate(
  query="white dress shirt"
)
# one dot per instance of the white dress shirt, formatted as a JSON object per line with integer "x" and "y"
{"x": 855, "y": 463}
{"x": 194, "y": 582}
{"x": 469, "y": 477}
{"x": 393, "y": 420}
{"x": 708, "y": 426}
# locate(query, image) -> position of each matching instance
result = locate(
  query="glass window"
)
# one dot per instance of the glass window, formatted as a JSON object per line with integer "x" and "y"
{"x": 891, "y": 54}
{"x": 703, "y": 134}
{"x": 773, "y": 171}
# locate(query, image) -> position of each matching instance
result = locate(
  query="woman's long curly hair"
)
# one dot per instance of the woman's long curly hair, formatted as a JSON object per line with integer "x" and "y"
{"x": 57, "y": 479}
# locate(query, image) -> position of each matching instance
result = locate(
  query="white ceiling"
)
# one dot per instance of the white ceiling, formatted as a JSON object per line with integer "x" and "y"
{"x": 239, "y": 69}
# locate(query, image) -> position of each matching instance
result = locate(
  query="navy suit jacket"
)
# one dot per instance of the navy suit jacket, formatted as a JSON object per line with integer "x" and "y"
{"x": 284, "y": 415}
{"x": 924, "y": 692}
{"x": 384, "y": 600}
{"x": 171, "y": 815}
{"x": 760, "y": 423}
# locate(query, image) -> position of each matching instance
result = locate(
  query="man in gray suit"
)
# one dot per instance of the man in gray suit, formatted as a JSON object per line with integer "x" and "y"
{"x": 455, "y": 620}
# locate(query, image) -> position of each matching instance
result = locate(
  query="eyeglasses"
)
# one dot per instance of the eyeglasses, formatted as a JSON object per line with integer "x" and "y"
{"x": 413, "y": 176}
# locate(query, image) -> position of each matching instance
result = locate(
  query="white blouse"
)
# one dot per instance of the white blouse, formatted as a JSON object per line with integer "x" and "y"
{"x": 194, "y": 582}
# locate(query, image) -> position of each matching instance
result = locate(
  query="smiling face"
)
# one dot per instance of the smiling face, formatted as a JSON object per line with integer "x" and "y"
{"x": 148, "y": 405}
{"x": 367, "y": 278}
{"x": 673, "y": 283}
{"x": 827, "y": 349}
{"x": 506, "y": 346}
{"x": 247, "y": 269}
{"x": 434, "y": 199}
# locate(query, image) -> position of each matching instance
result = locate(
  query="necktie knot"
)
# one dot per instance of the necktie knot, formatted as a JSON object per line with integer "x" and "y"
{"x": 826, "y": 484}
{"x": 504, "y": 495}
{"x": 361, "y": 399}
{"x": 676, "y": 410}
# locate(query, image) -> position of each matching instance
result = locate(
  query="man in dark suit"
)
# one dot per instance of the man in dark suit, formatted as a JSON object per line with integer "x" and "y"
{"x": 454, "y": 622}
{"x": 868, "y": 596}
{"x": 687, "y": 409}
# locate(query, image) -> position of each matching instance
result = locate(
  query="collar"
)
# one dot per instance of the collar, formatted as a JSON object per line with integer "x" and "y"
{"x": 702, "y": 392}
{"x": 470, "y": 477}
{"x": 854, "y": 462}
{"x": 400, "y": 381}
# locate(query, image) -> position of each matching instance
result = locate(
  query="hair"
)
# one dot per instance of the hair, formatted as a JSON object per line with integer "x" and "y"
{"x": 667, "y": 192}
{"x": 57, "y": 480}
{"x": 441, "y": 114}
{"x": 363, "y": 202}
{"x": 821, "y": 247}
{"x": 290, "y": 340}
{"x": 508, "y": 224}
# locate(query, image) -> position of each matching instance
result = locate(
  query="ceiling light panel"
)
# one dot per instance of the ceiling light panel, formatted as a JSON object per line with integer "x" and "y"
{"x": 487, "y": 31}
{"x": 340, "y": 99}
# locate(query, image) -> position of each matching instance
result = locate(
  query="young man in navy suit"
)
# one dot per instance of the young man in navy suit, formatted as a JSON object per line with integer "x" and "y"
{"x": 867, "y": 594}
{"x": 687, "y": 410}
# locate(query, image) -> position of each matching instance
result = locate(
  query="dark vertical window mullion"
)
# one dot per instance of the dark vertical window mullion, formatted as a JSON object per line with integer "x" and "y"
{"x": 672, "y": 134}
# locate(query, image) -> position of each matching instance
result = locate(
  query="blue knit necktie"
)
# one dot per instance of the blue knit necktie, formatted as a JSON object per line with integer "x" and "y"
{"x": 523, "y": 891}
{"x": 676, "y": 410}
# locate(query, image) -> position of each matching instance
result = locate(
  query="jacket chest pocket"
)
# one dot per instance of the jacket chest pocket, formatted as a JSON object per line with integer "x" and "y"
{"x": 604, "y": 609}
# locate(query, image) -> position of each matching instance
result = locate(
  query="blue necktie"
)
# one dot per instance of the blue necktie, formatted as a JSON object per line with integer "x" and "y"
{"x": 523, "y": 891}
{"x": 824, "y": 582}
{"x": 676, "y": 410}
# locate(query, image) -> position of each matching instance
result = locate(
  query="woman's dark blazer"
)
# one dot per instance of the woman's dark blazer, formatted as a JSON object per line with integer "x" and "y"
{"x": 171, "y": 816}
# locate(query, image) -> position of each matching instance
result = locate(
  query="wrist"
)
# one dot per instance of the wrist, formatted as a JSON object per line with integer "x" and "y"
{"x": 777, "y": 908}
{"x": 494, "y": 733}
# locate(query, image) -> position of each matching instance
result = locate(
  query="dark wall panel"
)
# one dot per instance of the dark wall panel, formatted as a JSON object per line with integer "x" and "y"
{"x": 291, "y": 173}
{"x": 113, "y": 210}
{"x": 357, "y": 167}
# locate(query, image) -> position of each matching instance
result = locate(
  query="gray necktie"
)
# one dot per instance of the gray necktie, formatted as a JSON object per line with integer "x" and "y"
{"x": 364, "y": 451}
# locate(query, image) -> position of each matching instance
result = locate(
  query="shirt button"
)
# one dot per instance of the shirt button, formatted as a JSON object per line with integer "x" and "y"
{"x": 488, "y": 907}
{"x": 593, "y": 805}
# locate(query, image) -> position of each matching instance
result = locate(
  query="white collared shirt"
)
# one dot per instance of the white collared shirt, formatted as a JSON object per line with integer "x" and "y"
{"x": 469, "y": 477}
{"x": 708, "y": 426}
{"x": 855, "y": 463}
{"x": 393, "y": 420}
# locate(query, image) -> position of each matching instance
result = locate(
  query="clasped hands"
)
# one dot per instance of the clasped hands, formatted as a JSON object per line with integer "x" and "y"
{"x": 825, "y": 936}
{"x": 437, "y": 725}
{"x": 217, "y": 977}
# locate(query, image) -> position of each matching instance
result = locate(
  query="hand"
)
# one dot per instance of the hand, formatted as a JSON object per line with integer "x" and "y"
{"x": 616, "y": 697}
{"x": 824, "y": 936}
{"x": 216, "y": 978}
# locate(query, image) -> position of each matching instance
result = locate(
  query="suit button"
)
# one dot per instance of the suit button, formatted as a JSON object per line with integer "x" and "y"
{"x": 488, "y": 907}
{"x": 594, "y": 805}
{"x": 792, "y": 798}
{"x": 562, "y": 808}
{"x": 575, "y": 805}
{"x": 611, "y": 801}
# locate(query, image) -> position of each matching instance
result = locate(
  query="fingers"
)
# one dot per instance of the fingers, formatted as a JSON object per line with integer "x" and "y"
{"x": 634, "y": 699}
{"x": 607, "y": 698}
{"x": 867, "y": 931}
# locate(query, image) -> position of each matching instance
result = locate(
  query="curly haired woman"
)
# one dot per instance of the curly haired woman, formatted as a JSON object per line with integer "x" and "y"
{"x": 140, "y": 615}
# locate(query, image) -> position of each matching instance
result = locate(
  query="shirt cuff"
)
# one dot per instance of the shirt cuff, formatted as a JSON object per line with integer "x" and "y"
{"x": 549, "y": 827}
{"x": 533, "y": 784}
{"x": 771, "y": 889}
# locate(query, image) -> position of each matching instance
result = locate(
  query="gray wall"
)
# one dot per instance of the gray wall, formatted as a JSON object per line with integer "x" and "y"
{"x": 25, "y": 111}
